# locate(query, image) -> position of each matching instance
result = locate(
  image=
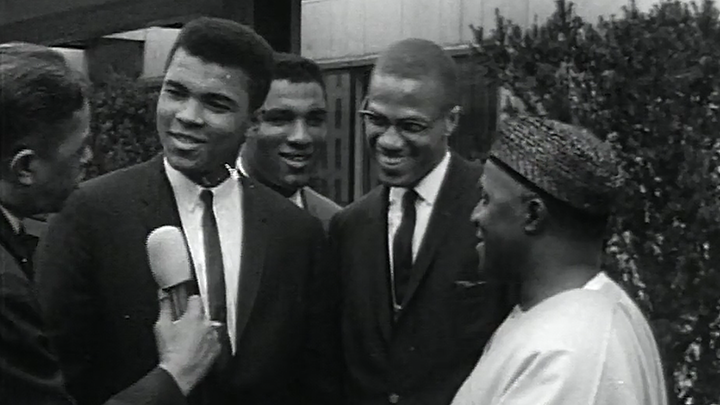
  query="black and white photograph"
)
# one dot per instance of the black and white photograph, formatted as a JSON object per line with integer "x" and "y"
{"x": 359, "y": 202}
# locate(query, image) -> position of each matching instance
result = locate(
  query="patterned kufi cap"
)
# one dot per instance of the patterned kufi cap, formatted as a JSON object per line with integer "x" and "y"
{"x": 565, "y": 161}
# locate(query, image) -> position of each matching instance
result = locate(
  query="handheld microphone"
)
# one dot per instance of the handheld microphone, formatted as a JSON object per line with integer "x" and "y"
{"x": 171, "y": 267}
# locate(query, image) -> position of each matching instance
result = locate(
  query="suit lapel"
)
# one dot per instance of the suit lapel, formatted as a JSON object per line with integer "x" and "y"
{"x": 254, "y": 242}
{"x": 308, "y": 202}
{"x": 441, "y": 221}
{"x": 373, "y": 245}
{"x": 159, "y": 205}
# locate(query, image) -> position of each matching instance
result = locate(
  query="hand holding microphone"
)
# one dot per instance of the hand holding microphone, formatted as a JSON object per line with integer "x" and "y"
{"x": 170, "y": 264}
{"x": 187, "y": 340}
{"x": 189, "y": 346}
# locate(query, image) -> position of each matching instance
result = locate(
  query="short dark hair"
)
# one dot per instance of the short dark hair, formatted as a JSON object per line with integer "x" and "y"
{"x": 228, "y": 43}
{"x": 38, "y": 91}
{"x": 420, "y": 59}
{"x": 297, "y": 69}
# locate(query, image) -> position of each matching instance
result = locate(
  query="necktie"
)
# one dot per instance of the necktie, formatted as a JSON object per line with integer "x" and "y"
{"x": 214, "y": 271}
{"x": 26, "y": 244}
{"x": 402, "y": 247}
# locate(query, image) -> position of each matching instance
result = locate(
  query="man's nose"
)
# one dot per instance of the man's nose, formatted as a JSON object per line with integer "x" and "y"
{"x": 191, "y": 113}
{"x": 390, "y": 139}
{"x": 299, "y": 133}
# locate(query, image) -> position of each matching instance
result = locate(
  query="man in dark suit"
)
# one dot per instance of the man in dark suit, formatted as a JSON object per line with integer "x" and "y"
{"x": 417, "y": 311}
{"x": 256, "y": 257}
{"x": 44, "y": 133}
{"x": 285, "y": 140}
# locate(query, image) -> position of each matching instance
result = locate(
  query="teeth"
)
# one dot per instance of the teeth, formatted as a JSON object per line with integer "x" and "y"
{"x": 186, "y": 139}
{"x": 393, "y": 159}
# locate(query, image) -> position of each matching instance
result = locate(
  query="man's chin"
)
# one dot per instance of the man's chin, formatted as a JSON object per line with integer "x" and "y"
{"x": 295, "y": 182}
{"x": 395, "y": 180}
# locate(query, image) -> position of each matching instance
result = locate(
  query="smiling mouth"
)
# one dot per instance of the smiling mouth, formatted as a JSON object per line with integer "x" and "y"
{"x": 185, "y": 139}
{"x": 296, "y": 157}
{"x": 390, "y": 160}
{"x": 297, "y": 160}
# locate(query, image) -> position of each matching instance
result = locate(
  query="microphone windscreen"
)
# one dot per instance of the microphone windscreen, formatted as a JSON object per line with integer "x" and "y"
{"x": 168, "y": 256}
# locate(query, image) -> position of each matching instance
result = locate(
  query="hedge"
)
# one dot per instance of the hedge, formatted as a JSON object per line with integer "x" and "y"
{"x": 649, "y": 82}
{"x": 123, "y": 123}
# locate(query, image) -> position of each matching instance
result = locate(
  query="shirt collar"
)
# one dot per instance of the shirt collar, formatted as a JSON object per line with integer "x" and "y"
{"x": 429, "y": 187}
{"x": 297, "y": 198}
{"x": 188, "y": 191}
{"x": 14, "y": 221}
{"x": 240, "y": 166}
{"x": 597, "y": 282}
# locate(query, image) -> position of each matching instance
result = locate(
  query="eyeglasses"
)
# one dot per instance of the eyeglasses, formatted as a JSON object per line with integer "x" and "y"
{"x": 405, "y": 126}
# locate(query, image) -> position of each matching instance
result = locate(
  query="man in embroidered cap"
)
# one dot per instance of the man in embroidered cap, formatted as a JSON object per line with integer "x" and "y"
{"x": 416, "y": 310}
{"x": 576, "y": 337}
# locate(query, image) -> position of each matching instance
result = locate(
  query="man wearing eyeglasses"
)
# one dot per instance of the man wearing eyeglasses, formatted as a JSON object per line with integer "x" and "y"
{"x": 284, "y": 142}
{"x": 416, "y": 309}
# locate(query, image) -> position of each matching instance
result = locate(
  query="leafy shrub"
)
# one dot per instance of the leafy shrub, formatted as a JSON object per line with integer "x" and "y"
{"x": 649, "y": 83}
{"x": 123, "y": 124}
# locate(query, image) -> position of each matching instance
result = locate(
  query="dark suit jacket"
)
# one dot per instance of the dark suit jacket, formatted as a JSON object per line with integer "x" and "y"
{"x": 319, "y": 206}
{"x": 29, "y": 371}
{"x": 100, "y": 297}
{"x": 451, "y": 307}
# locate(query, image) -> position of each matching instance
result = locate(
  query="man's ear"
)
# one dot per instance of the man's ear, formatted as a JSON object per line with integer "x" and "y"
{"x": 536, "y": 215}
{"x": 22, "y": 166}
{"x": 452, "y": 119}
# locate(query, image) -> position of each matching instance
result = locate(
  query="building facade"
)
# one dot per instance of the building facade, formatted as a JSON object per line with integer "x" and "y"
{"x": 345, "y": 36}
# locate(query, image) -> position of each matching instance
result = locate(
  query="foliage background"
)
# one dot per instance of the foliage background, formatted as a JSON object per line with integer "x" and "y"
{"x": 123, "y": 123}
{"x": 650, "y": 84}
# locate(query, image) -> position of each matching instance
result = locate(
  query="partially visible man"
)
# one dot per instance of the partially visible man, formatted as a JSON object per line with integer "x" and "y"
{"x": 258, "y": 259}
{"x": 416, "y": 309}
{"x": 576, "y": 337}
{"x": 286, "y": 140}
{"x": 44, "y": 133}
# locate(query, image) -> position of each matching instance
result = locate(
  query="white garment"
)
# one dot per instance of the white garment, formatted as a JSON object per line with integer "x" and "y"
{"x": 295, "y": 198}
{"x": 589, "y": 346}
{"x": 428, "y": 189}
{"x": 227, "y": 207}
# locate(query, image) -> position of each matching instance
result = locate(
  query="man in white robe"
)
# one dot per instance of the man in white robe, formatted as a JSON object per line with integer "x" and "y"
{"x": 576, "y": 337}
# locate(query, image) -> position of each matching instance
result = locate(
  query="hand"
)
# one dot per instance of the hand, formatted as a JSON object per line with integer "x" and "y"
{"x": 188, "y": 346}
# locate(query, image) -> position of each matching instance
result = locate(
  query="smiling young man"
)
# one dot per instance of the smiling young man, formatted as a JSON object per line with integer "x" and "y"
{"x": 416, "y": 309}
{"x": 575, "y": 337}
{"x": 257, "y": 261}
{"x": 284, "y": 144}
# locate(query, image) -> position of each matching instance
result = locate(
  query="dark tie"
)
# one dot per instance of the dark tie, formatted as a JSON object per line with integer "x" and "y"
{"x": 214, "y": 271}
{"x": 27, "y": 244}
{"x": 402, "y": 246}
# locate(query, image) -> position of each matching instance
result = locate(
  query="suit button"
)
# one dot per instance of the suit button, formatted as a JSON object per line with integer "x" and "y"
{"x": 394, "y": 398}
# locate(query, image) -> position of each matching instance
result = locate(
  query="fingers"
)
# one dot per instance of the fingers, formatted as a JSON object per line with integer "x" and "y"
{"x": 194, "y": 307}
{"x": 166, "y": 310}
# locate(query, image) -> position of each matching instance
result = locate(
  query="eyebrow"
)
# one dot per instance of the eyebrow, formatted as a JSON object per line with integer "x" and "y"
{"x": 418, "y": 118}
{"x": 289, "y": 109}
{"x": 211, "y": 96}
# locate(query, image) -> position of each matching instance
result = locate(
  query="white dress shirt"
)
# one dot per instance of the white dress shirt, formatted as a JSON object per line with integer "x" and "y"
{"x": 295, "y": 198}
{"x": 227, "y": 206}
{"x": 427, "y": 189}
{"x": 14, "y": 221}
